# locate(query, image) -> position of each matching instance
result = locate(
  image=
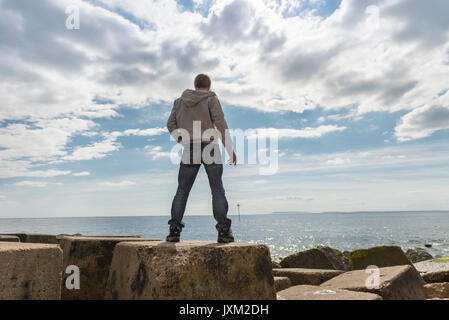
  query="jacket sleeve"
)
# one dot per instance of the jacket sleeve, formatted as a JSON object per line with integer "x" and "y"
{"x": 219, "y": 122}
{"x": 172, "y": 125}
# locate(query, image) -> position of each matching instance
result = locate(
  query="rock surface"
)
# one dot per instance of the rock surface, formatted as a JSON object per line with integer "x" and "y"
{"x": 276, "y": 262}
{"x": 436, "y": 270}
{"x": 339, "y": 260}
{"x": 307, "y": 292}
{"x": 321, "y": 257}
{"x": 93, "y": 256}
{"x": 384, "y": 256}
{"x": 394, "y": 283}
{"x": 7, "y": 238}
{"x": 306, "y": 276}
{"x": 437, "y": 290}
{"x": 418, "y": 255}
{"x": 194, "y": 270}
{"x": 281, "y": 283}
{"x": 310, "y": 259}
{"x": 30, "y": 271}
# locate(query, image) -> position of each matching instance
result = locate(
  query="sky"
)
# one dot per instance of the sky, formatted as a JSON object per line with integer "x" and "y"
{"x": 356, "y": 90}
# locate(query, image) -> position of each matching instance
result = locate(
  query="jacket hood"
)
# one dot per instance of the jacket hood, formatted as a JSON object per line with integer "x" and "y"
{"x": 192, "y": 97}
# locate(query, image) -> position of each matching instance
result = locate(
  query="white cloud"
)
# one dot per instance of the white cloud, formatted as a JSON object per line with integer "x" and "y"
{"x": 306, "y": 133}
{"x": 81, "y": 174}
{"x": 339, "y": 161}
{"x": 333, "y": 62}
{"x": 35, "y": 184}
{"x": 294, "y": 197}
{"x": 119, "y": 184}
{"x": 385, "y": 162}
{"x": 156, "y": 152}
{"x": 54, "y": 82}
{"x": 145, "y": 132}
{"x": 41, "y": 140}
{"x": 20, "y": 168}
{"x": 27, "y": 145}
{"x": 97, "y": 150}
{"x": 423, "y": 122}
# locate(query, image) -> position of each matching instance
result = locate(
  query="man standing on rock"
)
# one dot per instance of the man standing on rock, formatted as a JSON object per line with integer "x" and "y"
{"x": 196, "y": 121}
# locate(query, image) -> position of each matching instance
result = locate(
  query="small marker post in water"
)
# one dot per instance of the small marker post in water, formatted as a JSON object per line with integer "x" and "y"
{"x": 238, "y": 209}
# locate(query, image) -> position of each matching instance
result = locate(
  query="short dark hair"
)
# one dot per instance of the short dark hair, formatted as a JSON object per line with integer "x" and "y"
{"x": 202, "y": 81}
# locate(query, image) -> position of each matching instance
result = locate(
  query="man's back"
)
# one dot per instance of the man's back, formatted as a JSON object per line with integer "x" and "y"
{"x": 203, "y": 107}
{"x": 192, "y": 106}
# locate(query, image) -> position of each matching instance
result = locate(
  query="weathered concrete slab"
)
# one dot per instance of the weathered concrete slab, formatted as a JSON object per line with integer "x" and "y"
{"x": 60, "y": 236}
{"x": 42, "y": 238}
{"x": 5, "y": 238}
{"x": 436, "y": 270}
{"x": 93, "y": 256}
{"x": 30, "y": 271}
{"x": 394, "y": 283}
{"x": 281, "y": 283}
{"x": 307, "y": 292}
{"x": 384, "y": 256}
{"x": 52, "y": 238}
{"x": 437, "y": 290}
{"x": 195, "y": 270}
{"x": 37, "y": 238}
{"x": 21, "y": 236}
{"x": 306, "y": 276}
{"x": 130, "y": 236}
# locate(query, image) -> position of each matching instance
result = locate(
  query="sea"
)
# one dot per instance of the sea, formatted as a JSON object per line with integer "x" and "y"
{"x": 283, "y": 233}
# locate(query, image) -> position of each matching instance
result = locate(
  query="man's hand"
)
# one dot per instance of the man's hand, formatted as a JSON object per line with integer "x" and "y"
{"x": 233, "y": 160}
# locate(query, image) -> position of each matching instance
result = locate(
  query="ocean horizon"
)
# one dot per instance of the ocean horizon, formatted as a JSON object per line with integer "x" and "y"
{"x": 283, "y": 232}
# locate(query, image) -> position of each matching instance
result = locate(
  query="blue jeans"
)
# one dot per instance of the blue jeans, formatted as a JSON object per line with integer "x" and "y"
{"x": 186, "y": 178}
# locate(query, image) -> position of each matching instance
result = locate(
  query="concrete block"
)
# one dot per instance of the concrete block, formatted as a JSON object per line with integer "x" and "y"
{"x": 394, "y": 283}
{"x": 306, "y": 276}
{"x": 436, "y": 270}
{"x": 281, "y": 283}
{"x": 37, "y": 238}
{"x": 198, "y": 270}
{"x": 93, "y": 256}
{"x": 30, "y": 271}
{"x": 437, "y": 290}
{"x": 307, "y": 292}
{"x": 6, "y": 238}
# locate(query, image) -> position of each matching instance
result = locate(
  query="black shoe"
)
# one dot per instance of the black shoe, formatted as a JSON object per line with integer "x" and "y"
{"x": 175, "y": 233}
{"x": 225, "y": 235}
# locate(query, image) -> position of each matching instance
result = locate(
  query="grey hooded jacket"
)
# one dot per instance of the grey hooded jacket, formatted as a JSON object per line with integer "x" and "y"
{"x": 203, "y": 106}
